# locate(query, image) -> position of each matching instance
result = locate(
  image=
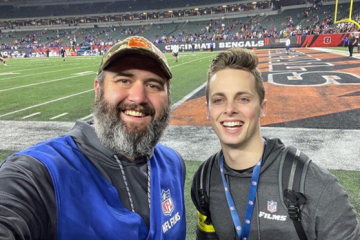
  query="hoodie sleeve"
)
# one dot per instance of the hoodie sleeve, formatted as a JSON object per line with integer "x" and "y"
{"x": 27, "y": 200}
{"x": 335, "y": 217}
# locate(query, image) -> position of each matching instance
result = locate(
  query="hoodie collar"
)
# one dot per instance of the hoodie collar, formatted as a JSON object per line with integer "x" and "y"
{"x": 273, "y": 149}
{"x": 86, "y": 138}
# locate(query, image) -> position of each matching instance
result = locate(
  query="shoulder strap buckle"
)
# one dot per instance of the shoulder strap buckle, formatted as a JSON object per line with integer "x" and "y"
{"x": 294, "y": 212}
{"x": 293, "y": 201}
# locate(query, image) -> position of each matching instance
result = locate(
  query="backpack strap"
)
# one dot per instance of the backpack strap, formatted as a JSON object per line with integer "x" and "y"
{"x": 292, "y": 172}
{"x": 204, "y": 187}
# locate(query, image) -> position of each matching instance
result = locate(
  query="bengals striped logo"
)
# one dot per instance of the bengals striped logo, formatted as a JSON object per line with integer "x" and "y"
{"x": 327, "y": 40}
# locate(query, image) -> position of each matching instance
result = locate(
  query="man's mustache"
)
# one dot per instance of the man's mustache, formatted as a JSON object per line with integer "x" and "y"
{"x": 145, "y": 109}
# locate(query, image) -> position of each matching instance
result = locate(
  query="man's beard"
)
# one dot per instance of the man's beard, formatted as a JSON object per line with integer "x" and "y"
{"x": 127, "y": 140}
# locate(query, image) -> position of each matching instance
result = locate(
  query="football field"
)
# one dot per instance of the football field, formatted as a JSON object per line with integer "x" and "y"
{"x": 313, "y": 103}
{"x": 49, "y": 89}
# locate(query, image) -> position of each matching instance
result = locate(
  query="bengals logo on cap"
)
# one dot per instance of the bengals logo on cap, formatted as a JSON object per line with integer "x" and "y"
{"x": 139, "y": 42}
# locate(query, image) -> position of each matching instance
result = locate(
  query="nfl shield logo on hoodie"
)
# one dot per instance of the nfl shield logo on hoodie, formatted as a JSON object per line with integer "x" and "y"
{"x": 272, "y": 206}
{"x": 166, "y": 202}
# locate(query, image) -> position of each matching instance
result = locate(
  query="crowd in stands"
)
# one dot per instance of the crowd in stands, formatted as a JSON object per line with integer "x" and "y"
{"x": 38, "y": 39}
{"x": 313, "y": 20}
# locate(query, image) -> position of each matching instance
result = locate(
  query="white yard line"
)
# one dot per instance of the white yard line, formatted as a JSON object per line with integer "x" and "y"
{"x": 60, "y": 115}
{"x": 41, "y": 104}
{"x": 31, "y": 115}
{"x": 8, "y": 73}
{"x": 180, "y": 64}
{"x": 184, "y": 99}
{"x": 40, "y": 73}
{"x": 31, "y": 66}
{"x": 84, "y": 73}
{"x": 86, "y": 117}
{"x": 39, "y": 83}
{"x": 27, "y": 67}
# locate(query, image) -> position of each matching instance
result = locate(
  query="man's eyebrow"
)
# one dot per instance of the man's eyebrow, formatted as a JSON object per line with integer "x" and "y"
{"x": 242, "y": 93}
{"x": 160, "y": 81}
{"x": 123, "y": 74}
{"x": 218, "y": 94}
{"x": 237, "y": 94}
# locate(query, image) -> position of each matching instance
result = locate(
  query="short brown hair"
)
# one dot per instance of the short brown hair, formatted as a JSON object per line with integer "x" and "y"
{"x": 237, "y": 58}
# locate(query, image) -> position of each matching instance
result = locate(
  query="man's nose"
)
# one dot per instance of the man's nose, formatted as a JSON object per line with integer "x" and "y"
{"x": 230, "y": 108}
{"x": 137, "y": 93}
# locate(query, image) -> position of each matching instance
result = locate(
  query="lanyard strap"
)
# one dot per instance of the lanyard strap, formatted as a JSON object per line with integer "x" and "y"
{"x": 127, "y": 185}
{"x": 242, "y": 232}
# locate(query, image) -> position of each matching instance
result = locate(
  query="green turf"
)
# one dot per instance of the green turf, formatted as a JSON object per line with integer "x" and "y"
{"x": 351, "y": 182}
{"x": 50, "y": 86}
{"x": 4, "y": 154}
{"x": 191, "y": 218}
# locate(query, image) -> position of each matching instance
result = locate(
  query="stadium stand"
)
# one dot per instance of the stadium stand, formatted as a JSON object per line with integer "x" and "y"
{"x": 35, "y": 25}
{"x": 49, "y": 9}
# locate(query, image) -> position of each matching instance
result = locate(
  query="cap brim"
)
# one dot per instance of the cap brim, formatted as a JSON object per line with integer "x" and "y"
{"x": 138, "y": 51}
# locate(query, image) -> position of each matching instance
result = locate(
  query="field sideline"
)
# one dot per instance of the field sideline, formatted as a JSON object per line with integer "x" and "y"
{"x": 41, "y": 98}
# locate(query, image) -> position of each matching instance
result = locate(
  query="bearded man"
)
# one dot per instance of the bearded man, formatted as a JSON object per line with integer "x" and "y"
{"x": 109, "y": 178}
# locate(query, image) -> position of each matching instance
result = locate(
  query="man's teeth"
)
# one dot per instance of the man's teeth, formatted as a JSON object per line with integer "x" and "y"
{"x": 134, "y": 113}
{"x": 232, "y": 124}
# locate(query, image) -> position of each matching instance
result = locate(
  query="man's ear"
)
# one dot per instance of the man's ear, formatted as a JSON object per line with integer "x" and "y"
{"x": 96, "y": 86}
{"x": 207, "y": 111}
{"x": 263, "y": 108}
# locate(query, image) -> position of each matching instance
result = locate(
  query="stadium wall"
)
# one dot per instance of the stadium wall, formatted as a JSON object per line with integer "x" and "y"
{"x": 323, "y": 40}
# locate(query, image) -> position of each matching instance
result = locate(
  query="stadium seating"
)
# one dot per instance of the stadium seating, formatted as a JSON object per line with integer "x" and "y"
{"x": 66, "y": 9}
{"x": 270, "y": 23}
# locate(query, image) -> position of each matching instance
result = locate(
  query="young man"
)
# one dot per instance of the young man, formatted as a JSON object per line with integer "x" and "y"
{"x": 175, "y": 52}
{"x": 62, "y": 52}
{"x": 352, "y": 43}
{"x": 287, "y": 44}
{"x": 108, "y": 179}
{"x": 244, "y": 177}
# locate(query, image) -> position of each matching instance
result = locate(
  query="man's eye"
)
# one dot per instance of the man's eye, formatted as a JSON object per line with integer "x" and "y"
{"x": 217, "y": 100}
{"x": 154, "y": 86}
{"x": 124, "y": 81}
{"x": 244, "y": 99}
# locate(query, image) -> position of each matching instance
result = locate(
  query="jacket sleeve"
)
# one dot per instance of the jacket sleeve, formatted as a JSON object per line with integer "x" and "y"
{"x": 27, "y": 200}
{"x": 335, "y": 216}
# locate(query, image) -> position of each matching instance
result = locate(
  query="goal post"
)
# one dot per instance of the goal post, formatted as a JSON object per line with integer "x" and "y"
{"x": 349, "y": 18}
